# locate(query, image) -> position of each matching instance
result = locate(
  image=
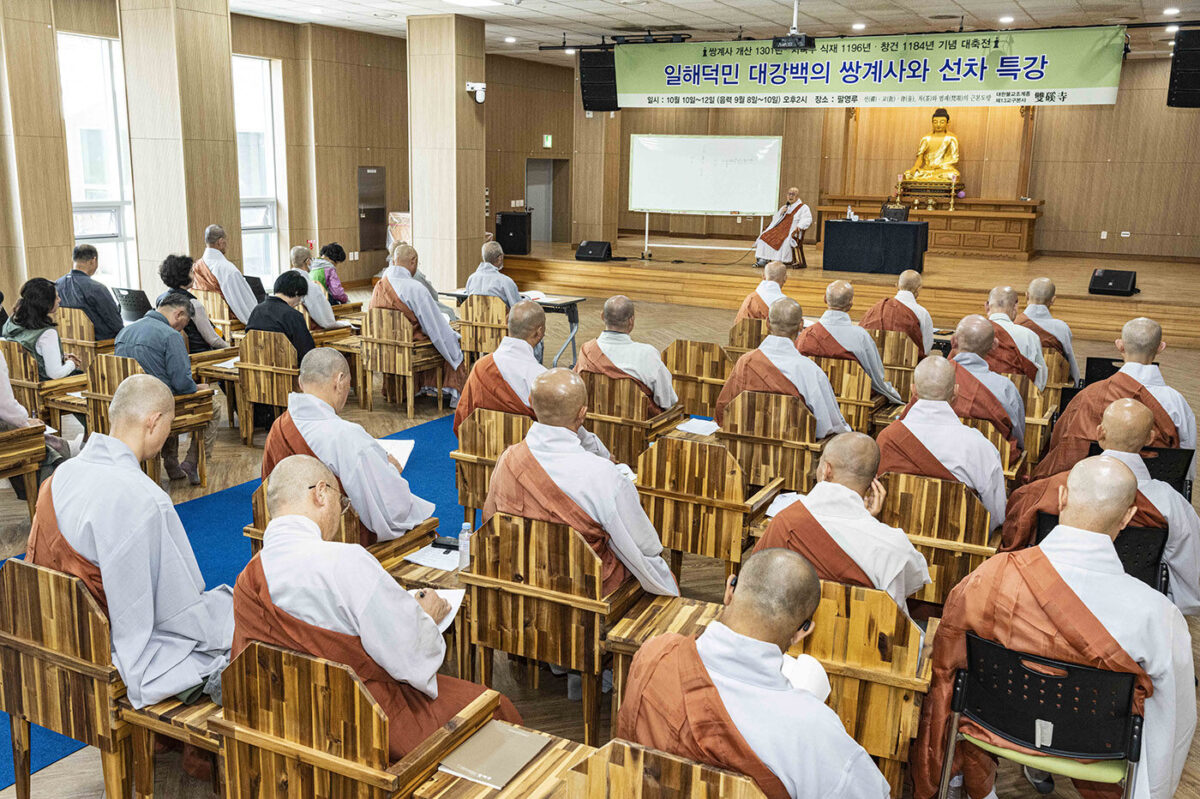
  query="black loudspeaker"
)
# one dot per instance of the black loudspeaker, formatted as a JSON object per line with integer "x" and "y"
{"x": 1114, "y": 282}
{"x": 598, "y": 80}
{"x": 594, "y": 251}
{"x": 1184, "y": 89}
{"x": 514, "y": 231}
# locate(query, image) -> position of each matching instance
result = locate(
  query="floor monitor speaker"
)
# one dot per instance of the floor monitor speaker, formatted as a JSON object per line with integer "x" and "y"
{"x": 1113, "y": 282}
{"x": 594, "y": 251}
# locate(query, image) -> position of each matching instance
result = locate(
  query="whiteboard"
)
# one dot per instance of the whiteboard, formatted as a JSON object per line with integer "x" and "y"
{"x": 705, "y": 174}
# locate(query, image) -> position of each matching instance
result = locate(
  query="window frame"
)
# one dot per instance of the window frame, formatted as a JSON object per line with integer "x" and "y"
{"x": 270, "y": 145}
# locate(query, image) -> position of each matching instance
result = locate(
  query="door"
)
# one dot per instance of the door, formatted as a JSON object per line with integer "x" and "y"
{"x": 539, "y": 197}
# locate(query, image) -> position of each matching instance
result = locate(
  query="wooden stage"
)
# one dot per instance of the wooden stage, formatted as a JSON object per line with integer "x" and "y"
{"x": 954, "y": 285}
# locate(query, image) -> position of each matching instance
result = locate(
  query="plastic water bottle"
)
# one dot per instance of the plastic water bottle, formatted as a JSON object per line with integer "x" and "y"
{"x": 464, "y": 546}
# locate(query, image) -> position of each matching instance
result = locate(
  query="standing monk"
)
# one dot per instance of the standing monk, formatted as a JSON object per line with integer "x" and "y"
{"x": 781, "y": 240}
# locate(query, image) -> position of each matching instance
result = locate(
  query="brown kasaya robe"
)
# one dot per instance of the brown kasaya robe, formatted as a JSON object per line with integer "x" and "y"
{"x": 486, "y": 388}
{"x": 1021, "y": 515}
{"x": 671, "y": 704}
{"x": 752, "y": 372}
{"x": 412, "y": 716}
{"x": 47, "y": 547}
{"x": 1018, "y": 600}
{"x": 795, "y": 528}
{"x": 1077, "y": 427}
{"x": 975, "y": 401}
{"x": 891, "y": 314}
{"x": 901, "y": 452}
{"x": 775, "y": 235}
{"x": 1048, "y": 339}
{"x": 817, "y": 342}
{"x": 521, "y": 487}
{"x": 384, "y": 296}
{"x": 593, "y": 359}
{"x": 1004, "y": 357}
{"x": 753, "y": 307}
{"x": 203, "y": 279}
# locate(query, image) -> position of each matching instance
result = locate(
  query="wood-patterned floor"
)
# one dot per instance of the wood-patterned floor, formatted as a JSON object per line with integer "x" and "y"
{"x": 546, "y": 708}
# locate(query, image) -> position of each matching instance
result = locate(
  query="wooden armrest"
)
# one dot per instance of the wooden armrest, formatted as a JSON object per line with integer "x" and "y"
{"x": 952, "y": 546}
{"x": 765, "y": 496}
{"x": 417, "y": 766}
{"x": 533, "y": 592}
{"x": 925, "y": 662}
{"x": 62, "y": 385}
{"x": 410, "y": 542}
{"x": 106, "y": 342}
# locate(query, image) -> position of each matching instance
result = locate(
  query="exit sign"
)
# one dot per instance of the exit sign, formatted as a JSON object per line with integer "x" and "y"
{"x": 547, "y": 141}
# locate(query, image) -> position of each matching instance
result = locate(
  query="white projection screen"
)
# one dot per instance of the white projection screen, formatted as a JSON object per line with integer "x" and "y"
{"x": 712, "y": 175}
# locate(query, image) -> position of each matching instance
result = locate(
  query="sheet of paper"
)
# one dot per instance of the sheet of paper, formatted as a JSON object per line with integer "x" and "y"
{"x": 534, "y": 294}
{"x": 452, "y": 595}
{"x": 75, "y": 394}
{"x": 700, "y": 427}
{"x": 435, "y": 558}
{"x": 231, "y": 363}
{"x": 782, "y": 501}
{"x": 398, "y": 448}
{"x": 50, "y": 430}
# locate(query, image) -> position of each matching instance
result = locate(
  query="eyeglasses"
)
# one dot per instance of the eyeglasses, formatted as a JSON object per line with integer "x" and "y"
{"x": 345, "y": 500}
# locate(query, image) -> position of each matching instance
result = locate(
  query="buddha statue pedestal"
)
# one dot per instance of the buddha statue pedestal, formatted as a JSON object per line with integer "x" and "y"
{"x": 934, "y": 193}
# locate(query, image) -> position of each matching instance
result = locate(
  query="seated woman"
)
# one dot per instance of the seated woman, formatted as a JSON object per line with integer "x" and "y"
{"x": 32, "y": 326}
{"x": 176, "y": 273}
{"x": 324, "y": 271}
{"x": 13, "y": 415}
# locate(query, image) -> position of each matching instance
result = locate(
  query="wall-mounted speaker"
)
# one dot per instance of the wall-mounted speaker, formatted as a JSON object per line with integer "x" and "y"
{"x": 1184, "y": 89}
{"x": 598, "y": 80}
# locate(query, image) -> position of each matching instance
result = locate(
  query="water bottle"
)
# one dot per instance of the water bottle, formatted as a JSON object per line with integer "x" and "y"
{"x": 464, "y": 546}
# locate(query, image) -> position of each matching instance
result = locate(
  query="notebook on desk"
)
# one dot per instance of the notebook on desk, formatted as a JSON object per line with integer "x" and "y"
{"x": 495, "y": 754}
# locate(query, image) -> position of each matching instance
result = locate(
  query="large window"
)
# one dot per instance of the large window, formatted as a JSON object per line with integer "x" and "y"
{"x": 93, "y": 94}
{"x": 253, "y": 106}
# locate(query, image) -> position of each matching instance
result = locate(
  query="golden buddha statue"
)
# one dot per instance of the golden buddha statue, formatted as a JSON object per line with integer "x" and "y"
{"x": 937, "y": 157}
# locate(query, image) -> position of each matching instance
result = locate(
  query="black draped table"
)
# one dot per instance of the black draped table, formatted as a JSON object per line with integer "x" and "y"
{"x": 874, "y": 246}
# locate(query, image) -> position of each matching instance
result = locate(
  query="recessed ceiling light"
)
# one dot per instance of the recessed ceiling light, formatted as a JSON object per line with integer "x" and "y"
{"x": 510, "y": 39}
{"x": 1172, "y": 28}
{"x": 1170, "y": 12}
{"x": 858, "y": 26}
{"x": 473, "y": 3}
{"x": 570, "y": 51}
{"x": 1006, "y": 20}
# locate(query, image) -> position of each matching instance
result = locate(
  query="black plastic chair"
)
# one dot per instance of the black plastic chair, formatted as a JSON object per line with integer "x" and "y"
{"x": 1168, "y": 464}
{"x": 1065, "y": 711}
{"x": 134, "y": 303}
{"x": 1097, "y": 369}
{"x": 1139, "y": 548}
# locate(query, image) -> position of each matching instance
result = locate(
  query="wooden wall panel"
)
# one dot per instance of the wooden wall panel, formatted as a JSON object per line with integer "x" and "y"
{"x": 1131, "y": 166}
{"x": 90, "y": 17}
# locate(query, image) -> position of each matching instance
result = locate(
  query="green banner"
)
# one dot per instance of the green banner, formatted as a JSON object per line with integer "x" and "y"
{"x": 1077, "y": 66}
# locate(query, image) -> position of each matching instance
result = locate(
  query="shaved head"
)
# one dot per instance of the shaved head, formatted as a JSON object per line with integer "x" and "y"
{"x": 839, "y": 295}
{"x": 618, "y": 314}
{"x": 776, "y": 272}
{"x": 299, "y": 256}
{"x": 975, "y": 334}
{"x": 1141, "y": 339}
{"x": 525, "y": 318}
{"x": 851, "y": 460}
{"x": 558, "y": 396}
{"x": 1002, "y": 299}
{"x": 777, "y": 591}
{"x": 1040, "y": 291}
{"x": 1099, "y": 496}
{"x": 137, "y": 398}
{"x": 785, "y": 318}
{"x": 289, "y": 483}
{"x": 1127, "y": 426}
{"x": 404, "y": 254}
{"x": 934, "y": 379}
{"x": 322, "y": 365}
{"x": 910, "y": 280}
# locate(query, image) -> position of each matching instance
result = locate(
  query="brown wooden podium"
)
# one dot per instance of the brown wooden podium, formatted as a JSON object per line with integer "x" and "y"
{"x": 991, "y": 228}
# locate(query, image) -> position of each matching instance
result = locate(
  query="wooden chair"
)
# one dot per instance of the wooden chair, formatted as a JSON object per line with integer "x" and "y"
{"x": 31, "y": 391}
{"x": 484, "y": 323}
{"x": 900, "y": 356}
{"x": 298, "y": 723}
{"x": 22, "y": 451}
{"x": 853, "y": 389}
{"x": 57, "y": 672}
{"x": 482, "y": 437}
{"x": 77, "y": 335}
{"x": 1039, "y": 411}
{"x": 619, "y": 415}
{"x": 390, "y": 347}
{"x": 1015, "y": 466}
{"x": 868, "y": 647}
{"x": 1058, "y": 370}
{"x": 267, "y": 373}
{"x": 744, "y": 336}
{"x": 625, "y": 769}
{"x": 698, "y": 499}
{"x": 535, "y": 592}
{"x": 220, "y": 314}
{"x": 699, "y": 370}
{"x": 947, "y": 524}
{"x": 772, "y": 435}
{"x": 193, "y": 412}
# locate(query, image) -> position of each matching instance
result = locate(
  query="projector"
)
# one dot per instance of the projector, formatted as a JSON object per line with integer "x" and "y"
{"x": 794, "y": 41}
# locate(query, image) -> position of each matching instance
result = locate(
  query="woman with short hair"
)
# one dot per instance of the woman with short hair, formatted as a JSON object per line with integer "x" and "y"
{"x": 324, "y": 271}
{"x": 176, "y": 274}
{"x": 32, "y": 326}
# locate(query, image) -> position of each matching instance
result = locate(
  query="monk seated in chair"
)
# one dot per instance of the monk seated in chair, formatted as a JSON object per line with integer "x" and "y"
{"x": 615, "y": 354}
{"x": 836, "y": 336}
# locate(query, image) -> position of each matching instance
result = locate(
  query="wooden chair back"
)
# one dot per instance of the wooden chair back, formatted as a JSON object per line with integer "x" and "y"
{"x": 388, "y": 339}
{"x": 945, "y": 521}
{"x": 260, "y": 517}
{"x": 1058, "y": 370}
{"x": 219, "y": 313}
{"x": 1040, "y": 407}
{"x": 482, "y": 437}
{"x": 23, "y": 374}
{"x": 267, "y": 368}
{"x": 698, "y": 370}
{"x": 772, "y": 435}
{"x": 105, "y": 374}
{"x": 628, "y": 770}
{"x": 853, "y": 389}
{"x": 56, "y": 664}
{"x": 1013, "y": 465}
{"x": 619, "y": 414}
{"x": 77, "y": 335}
{"x": 872, "y": 653}
{"x": 696, "y": 496}
{"x": 900, "y": 356}
{"x": 484, "y": 324}
{"x": 746, "y": 335}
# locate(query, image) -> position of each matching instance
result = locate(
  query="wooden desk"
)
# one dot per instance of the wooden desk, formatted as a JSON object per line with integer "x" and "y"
{"x": 976, "y": 226}
{"x": 538, "y": 780}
